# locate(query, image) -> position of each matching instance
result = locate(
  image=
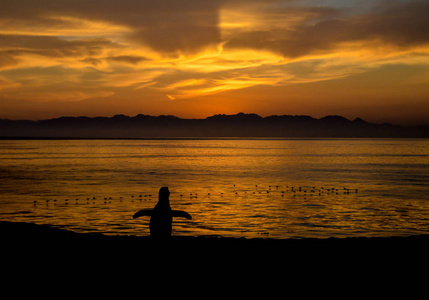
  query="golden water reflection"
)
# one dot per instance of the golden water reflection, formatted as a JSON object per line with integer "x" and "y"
{"x": 230, "y": 187}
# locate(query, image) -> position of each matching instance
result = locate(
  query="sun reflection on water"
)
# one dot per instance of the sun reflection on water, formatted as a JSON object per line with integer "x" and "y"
{"x": 239, "y": 188}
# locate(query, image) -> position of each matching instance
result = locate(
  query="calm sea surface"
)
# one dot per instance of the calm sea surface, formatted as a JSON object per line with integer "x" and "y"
{"x": 251, "y": 188}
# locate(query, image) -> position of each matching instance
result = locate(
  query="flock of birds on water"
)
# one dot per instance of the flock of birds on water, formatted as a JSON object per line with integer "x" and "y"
{"x": 301, "y": 191}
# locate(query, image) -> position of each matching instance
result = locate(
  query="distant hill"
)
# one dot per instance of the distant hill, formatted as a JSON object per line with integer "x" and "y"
{"x": 239, "y": 125}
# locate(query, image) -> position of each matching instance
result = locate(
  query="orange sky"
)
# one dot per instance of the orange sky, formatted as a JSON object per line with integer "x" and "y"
{"x": 355, "y": 58}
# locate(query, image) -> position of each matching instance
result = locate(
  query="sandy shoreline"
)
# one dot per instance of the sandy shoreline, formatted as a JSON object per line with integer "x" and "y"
{"x": 20, "y": 232}
{"x": 53, "y": 248}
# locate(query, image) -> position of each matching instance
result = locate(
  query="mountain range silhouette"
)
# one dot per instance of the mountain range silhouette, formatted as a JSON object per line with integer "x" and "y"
{"x": 220, "y": 125}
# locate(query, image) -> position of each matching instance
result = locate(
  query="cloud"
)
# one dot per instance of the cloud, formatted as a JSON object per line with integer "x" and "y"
{"x": 52, "y": 46}
{"x": 187, "y": 49}
{"x": 173, "y": 27}
{"x": 6, "y": 83}
{"x": 168, "y": 26}
{"x": 7, "y": 59}
{"x": 59, "y": 25}
{"x": 27, "y": 50}
{"x": 323, "y": 30}
{"x": 129, "y": 59}
{"x": 128, "y": 42}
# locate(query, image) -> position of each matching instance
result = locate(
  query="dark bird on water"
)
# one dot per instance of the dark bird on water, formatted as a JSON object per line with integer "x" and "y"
{"x": 161, "y": 216}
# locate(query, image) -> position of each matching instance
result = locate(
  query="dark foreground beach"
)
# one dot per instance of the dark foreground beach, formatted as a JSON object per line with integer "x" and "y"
{"x": 50, "y": 257}
{"x": 31, "y": 236}
{"x": 43, "y": 253}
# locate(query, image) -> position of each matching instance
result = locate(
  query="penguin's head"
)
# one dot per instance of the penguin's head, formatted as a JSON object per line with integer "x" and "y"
{"x": 164, "y": 193}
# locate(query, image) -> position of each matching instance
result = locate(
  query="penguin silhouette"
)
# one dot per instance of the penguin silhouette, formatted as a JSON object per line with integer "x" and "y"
{"x": 161, "y": 216}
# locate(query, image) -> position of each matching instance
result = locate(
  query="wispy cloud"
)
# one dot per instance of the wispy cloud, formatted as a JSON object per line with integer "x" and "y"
{"x": 188, "y": 49}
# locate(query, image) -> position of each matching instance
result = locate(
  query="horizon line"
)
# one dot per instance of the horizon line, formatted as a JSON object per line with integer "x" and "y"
{"x": 218, "y": 114}
{"x": 214, "y": 115}
{"x": 202, "y": 118}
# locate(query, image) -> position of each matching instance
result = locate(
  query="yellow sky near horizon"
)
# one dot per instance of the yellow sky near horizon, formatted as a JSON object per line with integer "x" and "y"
{"x": 197, "y": 59}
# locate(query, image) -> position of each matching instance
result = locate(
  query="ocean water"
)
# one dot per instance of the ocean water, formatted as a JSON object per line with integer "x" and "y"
{"x": 276, "y": 188}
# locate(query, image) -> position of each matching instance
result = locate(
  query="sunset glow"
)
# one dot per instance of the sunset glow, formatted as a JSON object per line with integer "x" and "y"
{"x": 367, "y": 59}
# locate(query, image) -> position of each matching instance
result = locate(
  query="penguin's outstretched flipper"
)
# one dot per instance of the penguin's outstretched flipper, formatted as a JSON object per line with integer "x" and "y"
{"x": 143, "y": 212}
{"x": 181, "y": 214}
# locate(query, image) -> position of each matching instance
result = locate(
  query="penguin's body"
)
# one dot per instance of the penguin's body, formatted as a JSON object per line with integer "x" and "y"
{"x": 161, "y": 220}
{"x": 161, "y": 216}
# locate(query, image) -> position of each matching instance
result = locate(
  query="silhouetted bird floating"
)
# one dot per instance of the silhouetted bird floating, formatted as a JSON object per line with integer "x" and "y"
{"x": 161, "y": 216}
